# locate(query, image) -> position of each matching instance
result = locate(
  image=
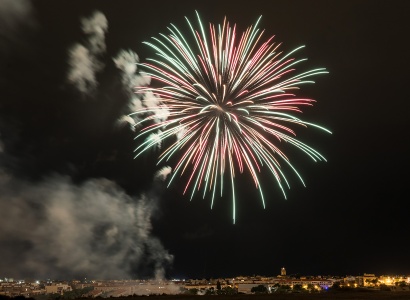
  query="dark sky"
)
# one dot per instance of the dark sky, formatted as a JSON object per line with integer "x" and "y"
{"x": 351, "y": 217}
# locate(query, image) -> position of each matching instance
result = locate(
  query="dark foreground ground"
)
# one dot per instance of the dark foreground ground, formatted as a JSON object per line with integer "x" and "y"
{"x": 368, "y": 295}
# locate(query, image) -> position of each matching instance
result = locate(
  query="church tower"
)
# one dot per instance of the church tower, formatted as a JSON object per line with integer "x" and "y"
{"x": 283, "y": 271}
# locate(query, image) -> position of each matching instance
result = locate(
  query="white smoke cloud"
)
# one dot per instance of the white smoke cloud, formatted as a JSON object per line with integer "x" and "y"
{"x": 57, "y": 228}
{"x": 84, "y": 59}
{"x": 126, "y": 61}
{"x": 135, "y": 104}
{"x": 163, "y": 173}
{"x": 181, "y": 132}
{"x": 64, "y": 229}
{"x": 127, "y": 120}
{"x": 150, "y": 101}
{"x": 139, "y": 104}
{"x": 95, "y": 27}
{"x": 154, "y": 106}
{"x": 156, "y": 139}
{"x": 83, "y": 69}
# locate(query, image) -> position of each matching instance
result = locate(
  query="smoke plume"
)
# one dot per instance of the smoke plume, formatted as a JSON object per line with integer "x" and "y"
{"x": 84, "y": 59}
{"x": 66, "y": 230}
{"x": 163, "y": 173}
{"x": 126, "y": 61}
{"x": 133, "y": 81}
{"x": 76, "y": 225}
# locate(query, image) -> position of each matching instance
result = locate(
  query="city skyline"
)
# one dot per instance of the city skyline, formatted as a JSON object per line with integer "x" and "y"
{"x": 376, "y": 285}
{"x": 75, "y": 202}
{"x": 282, "y": 273}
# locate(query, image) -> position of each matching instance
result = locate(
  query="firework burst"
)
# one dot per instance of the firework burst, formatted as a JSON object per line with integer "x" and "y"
{"x": 229, "y": 102}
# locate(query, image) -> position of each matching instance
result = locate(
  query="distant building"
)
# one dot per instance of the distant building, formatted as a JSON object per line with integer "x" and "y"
{"x": 14, "y": 289}
{"x": 58, "y": 288}
{"x": 393, "y": 280}
{"x": 368, "y": 280}
{"x": 283, "y": 271}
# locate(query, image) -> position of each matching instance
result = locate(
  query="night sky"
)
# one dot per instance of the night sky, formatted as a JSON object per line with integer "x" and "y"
{"x": 65, "y": 156}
